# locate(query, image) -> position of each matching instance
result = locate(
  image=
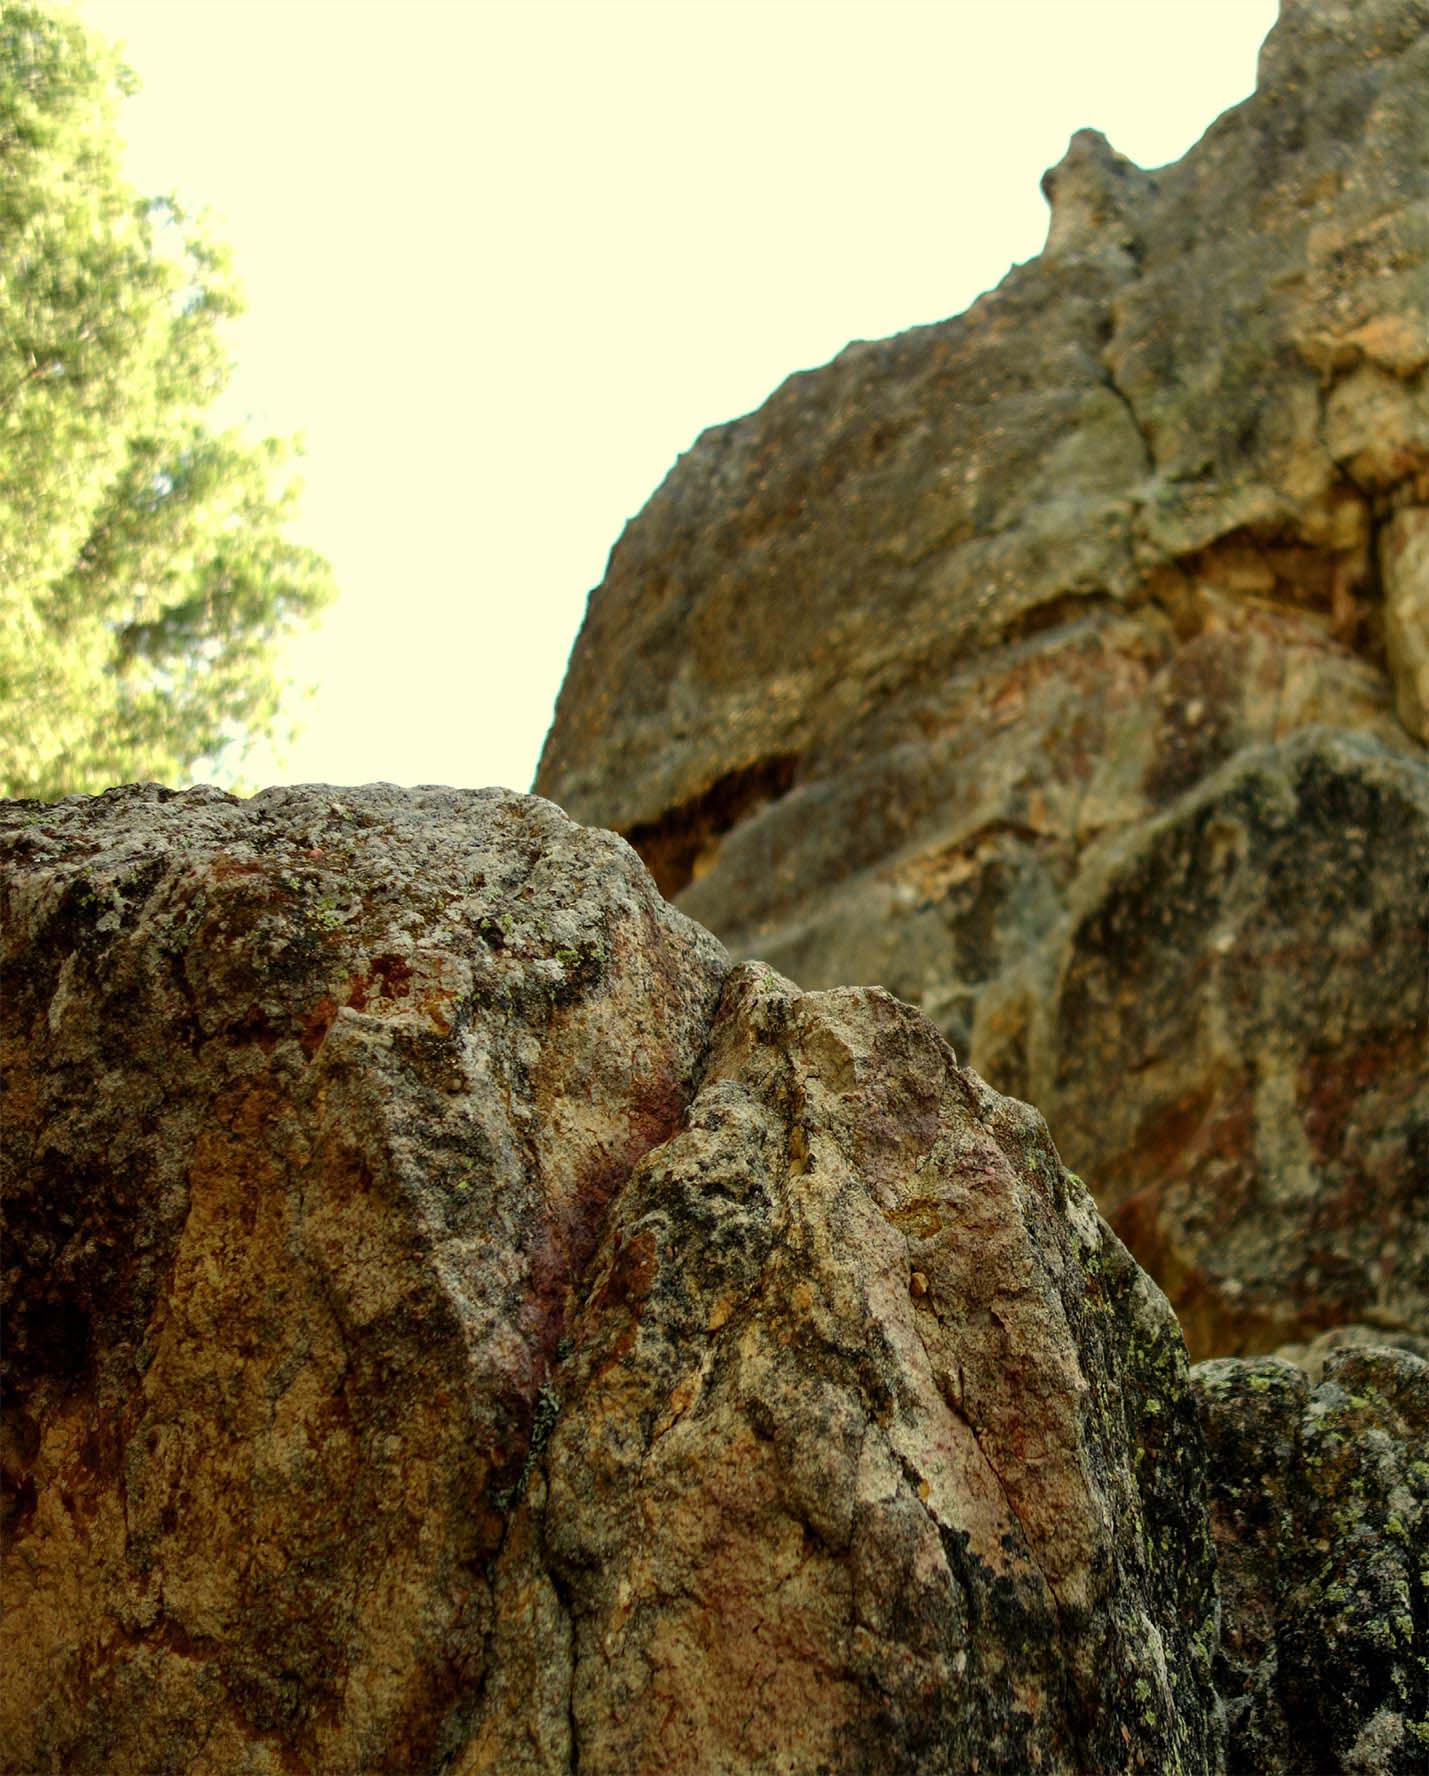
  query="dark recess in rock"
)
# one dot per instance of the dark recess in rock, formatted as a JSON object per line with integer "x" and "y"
{"x": 675, "y": 847}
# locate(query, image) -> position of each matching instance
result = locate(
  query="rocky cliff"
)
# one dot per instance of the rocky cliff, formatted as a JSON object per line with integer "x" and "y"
{"x": 1064, "y": 668}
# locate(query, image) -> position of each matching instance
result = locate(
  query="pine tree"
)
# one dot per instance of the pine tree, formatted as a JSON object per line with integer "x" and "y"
{"x": 145, "y": 577}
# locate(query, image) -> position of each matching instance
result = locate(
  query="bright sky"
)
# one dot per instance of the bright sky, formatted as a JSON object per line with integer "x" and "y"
{"x": 506, "y": 260}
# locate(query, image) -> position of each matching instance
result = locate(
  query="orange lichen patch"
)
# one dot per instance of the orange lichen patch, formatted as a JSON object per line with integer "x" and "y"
{"x": 386, "y": 977}
{"x": 921, "y": 1217}
{"x": 623, "y": 1289}
{"x": 435, "y": 1003}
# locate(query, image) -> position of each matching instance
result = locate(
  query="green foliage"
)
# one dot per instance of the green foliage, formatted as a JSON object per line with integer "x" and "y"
{"x": 145, "y": 578}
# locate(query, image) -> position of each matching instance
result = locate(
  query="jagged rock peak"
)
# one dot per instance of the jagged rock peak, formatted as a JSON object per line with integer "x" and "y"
{"x": 1095, "y": 194}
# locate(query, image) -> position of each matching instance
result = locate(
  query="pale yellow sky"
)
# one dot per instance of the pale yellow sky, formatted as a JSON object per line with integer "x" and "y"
{"x": 505, "y": 261}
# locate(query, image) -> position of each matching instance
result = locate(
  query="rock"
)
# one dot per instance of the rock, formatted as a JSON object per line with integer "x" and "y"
{"x": 1096, "y": 196}
{"x": 1404, "y": 565}
{"x": 1313, "y": 1356}
{"x": 873, "y": 1452}
{"x": 892, "y": 679}
{"x": 314, "y": 1105}
{"x": 1243, "y": 1017}
{"x": 456, "y": 1323}
{"x": 1320, "y": 1510}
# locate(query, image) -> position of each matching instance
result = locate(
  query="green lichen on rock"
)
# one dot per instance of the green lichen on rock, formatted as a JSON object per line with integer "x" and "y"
{"x": 1320, "y": 1508}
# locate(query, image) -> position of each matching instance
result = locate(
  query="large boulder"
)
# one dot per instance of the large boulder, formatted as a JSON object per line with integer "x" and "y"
{"x": 873, "y": 1450}
{"x": 456, "y": 1322}
{"x": 1103, "y": 607}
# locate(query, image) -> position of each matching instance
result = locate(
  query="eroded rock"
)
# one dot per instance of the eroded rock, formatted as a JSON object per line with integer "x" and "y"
{"x": 455, "y": 1324}
{"x": 1251, "y": 970}
{"x": 1404, "y": 564}
{"x": 890, "y": 676}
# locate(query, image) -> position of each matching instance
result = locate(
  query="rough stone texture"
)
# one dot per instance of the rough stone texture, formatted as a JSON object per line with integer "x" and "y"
{"x": 1320, "y": 1511}
{"x": 1233, "y": 1019}
{"x": 457, "y": 1324}
{"x": 842, "y": 1481}
{"x": 1313, "y": 1356}
{"x": 1099, "y": 608}
{"x": 313, "y": 1106}
{"x": 1404, "y": 568}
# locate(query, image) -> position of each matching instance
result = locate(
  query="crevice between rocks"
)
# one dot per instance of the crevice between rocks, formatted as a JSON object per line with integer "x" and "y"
{"x": 678, "y": 847}
{"x": 1110, "y": 383}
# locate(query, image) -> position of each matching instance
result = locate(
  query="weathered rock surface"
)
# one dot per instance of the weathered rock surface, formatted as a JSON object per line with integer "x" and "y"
{"x": 457, "y": 1323}
{"x": 842, "y": 1417}
{"x": 1313, "y": 1356}
{"x": 1099, "y": 616}
{"x": 1320, "y": 1509}
{"x": 313, "y": 1106}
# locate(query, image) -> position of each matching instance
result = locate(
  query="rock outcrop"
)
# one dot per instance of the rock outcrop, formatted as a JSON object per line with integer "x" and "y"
{"x": 1320, "y": 1509}
{"x": 458, "y": 1322}
{"x": 1064, "y": 667}
{"x": 462, "y": 1321}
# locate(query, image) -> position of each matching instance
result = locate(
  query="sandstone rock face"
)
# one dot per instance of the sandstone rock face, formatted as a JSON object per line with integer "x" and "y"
{"x": 1320, "y": 1508}
{"x": 1061, "y": 667}
{"x": 1234, "y": 1020}
{"x": 458, "y": 1323}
